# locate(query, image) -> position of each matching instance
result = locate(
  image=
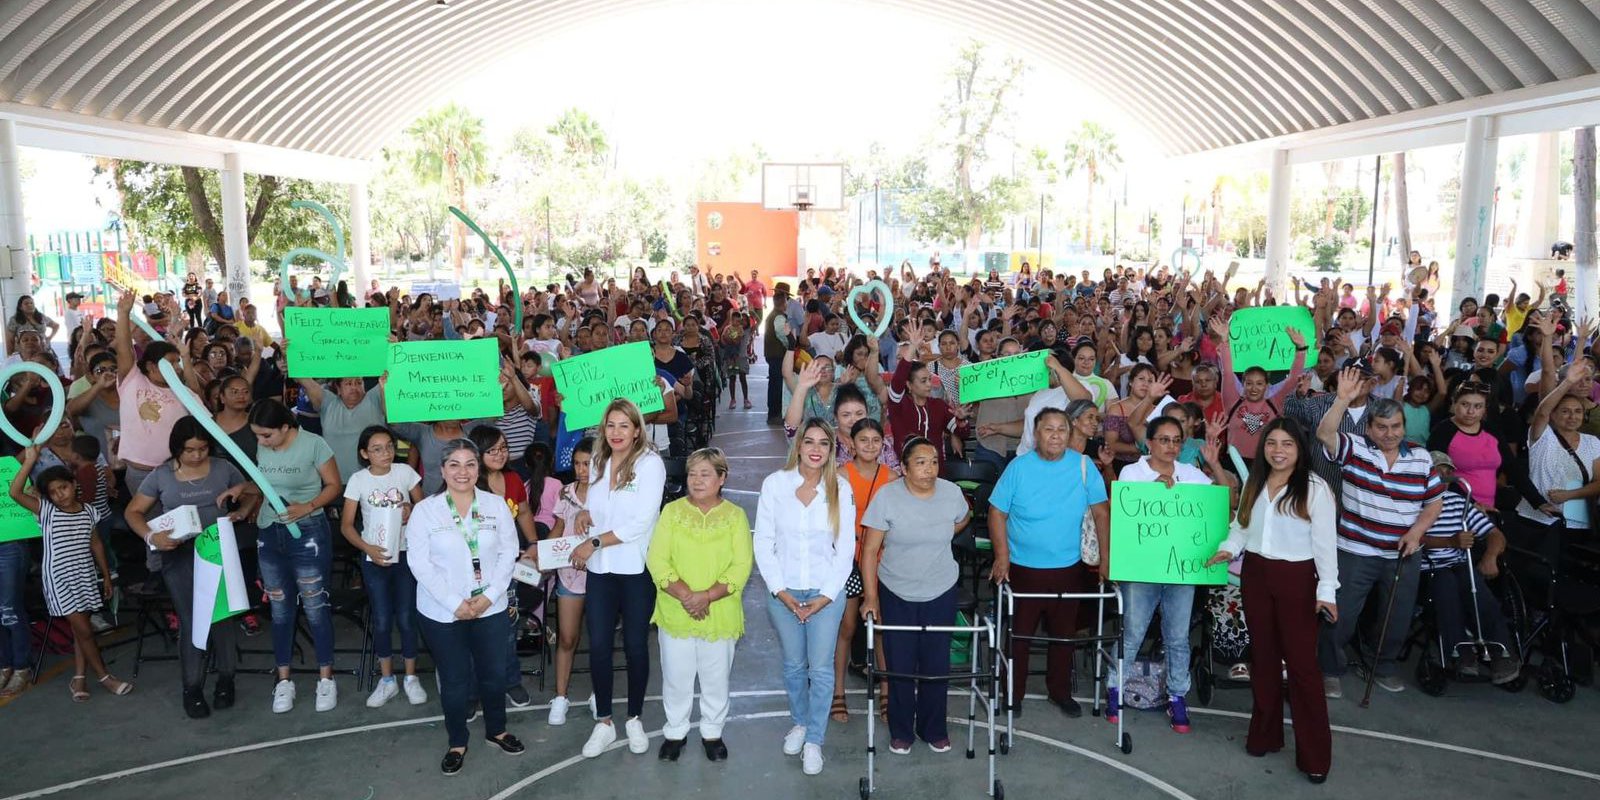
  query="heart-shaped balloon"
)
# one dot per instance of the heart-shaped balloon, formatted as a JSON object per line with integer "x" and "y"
{"x": 335, "y": 260}
{"x": 883, "y": 318}
{"x": 58, "y": 403}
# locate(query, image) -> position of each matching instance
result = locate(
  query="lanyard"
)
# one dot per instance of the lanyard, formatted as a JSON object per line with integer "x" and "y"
{"x": 470, "y": 534}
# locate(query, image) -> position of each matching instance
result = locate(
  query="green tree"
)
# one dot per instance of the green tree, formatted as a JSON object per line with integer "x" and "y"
{"x": 450, "y": 152}
{"x": 582, "y": 140}
{"x": 409, "y": 219}
{"x": 956, "y": 206}
{"x": 165, "y": 206}
{"x": 1092, "y": 149}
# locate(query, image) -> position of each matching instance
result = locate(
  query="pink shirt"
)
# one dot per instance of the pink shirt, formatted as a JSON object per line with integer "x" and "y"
{"x": 147, "y": 415}
{"x": 1477, "y": 459}
{"x": 547, "y": 503}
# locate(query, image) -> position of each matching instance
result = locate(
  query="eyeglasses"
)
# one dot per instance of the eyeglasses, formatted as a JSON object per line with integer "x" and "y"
{"x": 500, "y": 450}
{"x": 1168, "y": 440}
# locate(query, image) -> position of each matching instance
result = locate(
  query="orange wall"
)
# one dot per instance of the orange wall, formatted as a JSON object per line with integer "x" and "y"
{"x": 748, "y": 237}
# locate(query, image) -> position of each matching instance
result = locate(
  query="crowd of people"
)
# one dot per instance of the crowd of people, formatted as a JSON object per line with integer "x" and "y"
{"x": 1413, "y": 429}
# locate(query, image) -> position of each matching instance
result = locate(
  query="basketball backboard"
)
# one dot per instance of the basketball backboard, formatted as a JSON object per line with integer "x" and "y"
{"x": 802, "y": 187}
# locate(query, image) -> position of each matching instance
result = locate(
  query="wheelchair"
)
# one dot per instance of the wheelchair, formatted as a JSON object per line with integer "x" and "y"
{"x": 1433, "y": 671}
{"x": 1551, "y": 596}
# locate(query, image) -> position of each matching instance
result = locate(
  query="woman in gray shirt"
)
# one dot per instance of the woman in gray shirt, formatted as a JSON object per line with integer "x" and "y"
{"x": 913, "y": 582}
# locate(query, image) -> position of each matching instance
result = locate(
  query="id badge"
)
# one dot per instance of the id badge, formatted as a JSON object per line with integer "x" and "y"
{"x": 477, "y": 578}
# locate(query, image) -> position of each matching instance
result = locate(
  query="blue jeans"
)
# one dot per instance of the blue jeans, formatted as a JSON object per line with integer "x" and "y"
{"x": 305, "y": 562}
{"x": 392, "y": 598}
{"x": 513, "y": 616}
{"x": 15, "y": 639}
{"x": 631, "y": 598}
{"x": 1139, "y": 604}
{"x": 464, "y": 655}
{"x": 999, "y": 460}
{"x": 807, "y": 659}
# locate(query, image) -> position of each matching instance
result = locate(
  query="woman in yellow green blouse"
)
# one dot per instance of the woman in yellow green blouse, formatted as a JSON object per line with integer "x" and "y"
{"x": 700, "y": 557}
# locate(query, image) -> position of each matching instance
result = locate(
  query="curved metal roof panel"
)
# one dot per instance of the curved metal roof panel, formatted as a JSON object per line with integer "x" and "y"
{"x": 339, "y": 77}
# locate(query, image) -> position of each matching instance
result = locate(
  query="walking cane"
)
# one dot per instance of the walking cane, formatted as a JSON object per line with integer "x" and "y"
{"x": 1372, "y": 673}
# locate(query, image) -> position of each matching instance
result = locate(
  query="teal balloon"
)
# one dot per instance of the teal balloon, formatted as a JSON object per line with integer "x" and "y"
{"x": 200, "y": 412}
{"x": 337, "y": 259}
{"x": 516, "y": 294}
{"x": 58, "y": 403}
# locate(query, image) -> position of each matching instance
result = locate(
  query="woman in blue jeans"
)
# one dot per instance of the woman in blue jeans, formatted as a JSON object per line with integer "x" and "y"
{"x": 804, "y": 547}
{"x": 16, "y": 661}
{"x": 463, "y": 544}
{"x": 295, "y": 564}
{"x": 1165, "y": 437}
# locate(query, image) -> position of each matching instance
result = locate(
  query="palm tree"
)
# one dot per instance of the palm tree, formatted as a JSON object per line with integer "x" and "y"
{"x": 1093, "y": 149}
{"x": 450, "y": 152}
{"x": 582, "y": 139}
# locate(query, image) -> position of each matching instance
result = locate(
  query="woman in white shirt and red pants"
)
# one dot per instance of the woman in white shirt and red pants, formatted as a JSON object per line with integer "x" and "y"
{"x": 1286, "y": 529}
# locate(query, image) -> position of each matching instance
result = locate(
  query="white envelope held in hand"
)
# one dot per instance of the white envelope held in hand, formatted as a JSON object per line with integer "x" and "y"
{"x": 183, "y": 522}
{"x": 557, "y": 553}
{"x": 382, "y": 527}
{"x": 525, "y": 572}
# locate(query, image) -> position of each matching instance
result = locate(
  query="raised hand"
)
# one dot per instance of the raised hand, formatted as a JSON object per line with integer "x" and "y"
{"x": 1295, "y": 335}
{"x": 1351, "y": 384}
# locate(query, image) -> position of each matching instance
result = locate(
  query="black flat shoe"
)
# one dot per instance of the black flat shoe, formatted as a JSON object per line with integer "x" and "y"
{"x": 453, "y": 762}
{"x": 1316, "y": 777}
{"x": 508, "y": 744}
{"x": 1068, "y": 707}
{"x": 222, "y": 696}
{"x": 670, "y": 749}
{"x": 715, "y": 750}
{"x": 194, "y": 704}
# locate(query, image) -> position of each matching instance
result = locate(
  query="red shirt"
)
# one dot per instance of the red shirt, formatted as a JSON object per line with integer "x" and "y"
{"x": 907, "y": 419}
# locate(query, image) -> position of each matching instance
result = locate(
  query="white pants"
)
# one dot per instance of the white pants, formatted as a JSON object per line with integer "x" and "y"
{"x": 682, "y": 660}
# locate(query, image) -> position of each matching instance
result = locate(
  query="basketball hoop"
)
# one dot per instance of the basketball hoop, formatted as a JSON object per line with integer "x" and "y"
{"x": 802, "y": 187}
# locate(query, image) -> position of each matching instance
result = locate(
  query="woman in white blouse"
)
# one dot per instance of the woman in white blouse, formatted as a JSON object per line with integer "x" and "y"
{"x": 1285, "y": 528}
{"x": 462, "y": 543}
{"x": 627, "y": 479}
{"x": 805, "y": 544}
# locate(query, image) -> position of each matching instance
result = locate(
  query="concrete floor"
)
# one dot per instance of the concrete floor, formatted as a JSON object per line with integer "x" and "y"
{"x": 1476, "y": 741}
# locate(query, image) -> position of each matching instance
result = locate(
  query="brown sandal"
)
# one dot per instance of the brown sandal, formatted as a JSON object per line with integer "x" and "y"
{"x": 839, "y": 712}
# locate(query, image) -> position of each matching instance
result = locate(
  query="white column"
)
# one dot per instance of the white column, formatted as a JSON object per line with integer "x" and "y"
{"x": 1474, "y": 214}
{"x": 13, "y": 223}
{"x": 1279, "y": 181}
{"x": 1537, "y": 224}
{"x": 235, "y": 236}
{"x": 360, "y": 242}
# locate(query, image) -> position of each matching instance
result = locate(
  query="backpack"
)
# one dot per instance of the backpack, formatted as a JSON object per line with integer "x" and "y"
{"x": 1144, "y": 686}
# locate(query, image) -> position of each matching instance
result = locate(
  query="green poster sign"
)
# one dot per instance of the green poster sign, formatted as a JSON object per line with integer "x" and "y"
{"x": 16, "y": 522}
{"x": 336, "y": 342}
{"x": 589, "y": 382}
{"x": 437, "y": 380}
{"x": 1161, "y": 535}
{"x": 1259, "y": 337}
{"x": 1004, "y": 377}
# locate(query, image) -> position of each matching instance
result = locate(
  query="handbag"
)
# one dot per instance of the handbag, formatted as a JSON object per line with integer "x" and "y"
{"x": 1145, "y": 685}
{"x": 1089, "y": 539}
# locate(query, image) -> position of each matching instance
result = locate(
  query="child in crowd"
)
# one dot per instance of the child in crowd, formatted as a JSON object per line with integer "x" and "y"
{"x": 383, "y": 484}
{"x": 570, "y": 583}
{"x": 76, "y": 575}
{"x": 736, "y": 356}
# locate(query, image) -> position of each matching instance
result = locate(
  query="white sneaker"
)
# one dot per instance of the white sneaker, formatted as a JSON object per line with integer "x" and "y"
{"x": 283, "y": 697}
{"x": 327, "y": 694}
{"x": 99, "y": 623}
{"x": 1332, "y": 687}
{"x": 603, "y": 735}
{"x": 637, "y": 741}
{"x": 385, "y": 691}
{"x": 415, "y": 694}
{"x": 811, "y": 759}
{"x": 558, "y": 710}
{"x": 793, "y": 740}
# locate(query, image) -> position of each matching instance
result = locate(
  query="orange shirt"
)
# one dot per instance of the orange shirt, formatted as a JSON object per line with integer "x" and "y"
{"x": 863, "y": 487}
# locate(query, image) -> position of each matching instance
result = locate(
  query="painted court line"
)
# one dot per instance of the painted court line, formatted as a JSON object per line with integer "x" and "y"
{"x": 311, "y": 737}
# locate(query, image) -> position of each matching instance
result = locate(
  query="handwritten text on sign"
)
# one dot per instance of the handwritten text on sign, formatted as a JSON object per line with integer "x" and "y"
{"x": 1004, "y": 377}
{"x": 589, "y": 382}
{"x": 336, "y": 342}
{"x": 439, "y": 380}
{"x": 16, "y": 522}
{"x": 1259, "y": 337}
{"x": 1161, "y": 535}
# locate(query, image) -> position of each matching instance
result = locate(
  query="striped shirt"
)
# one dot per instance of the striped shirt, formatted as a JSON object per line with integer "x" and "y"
{"x": 1456, "y": 515}
{"x": 1379, "y": 503}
